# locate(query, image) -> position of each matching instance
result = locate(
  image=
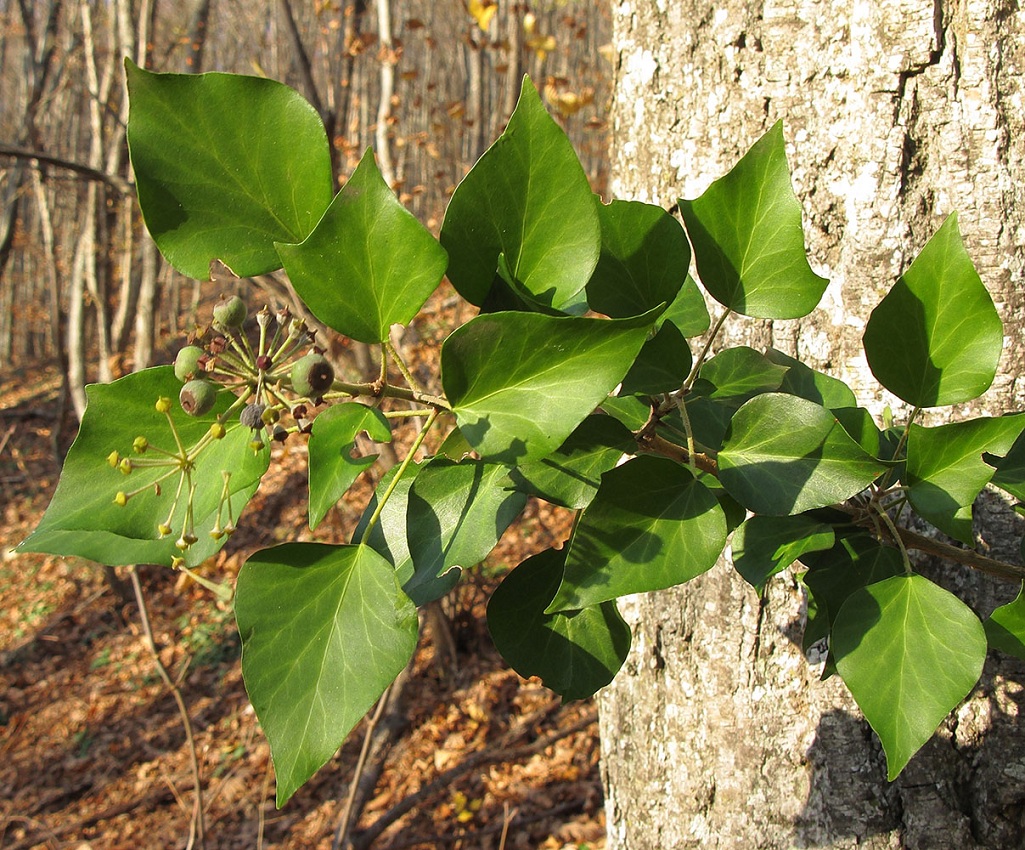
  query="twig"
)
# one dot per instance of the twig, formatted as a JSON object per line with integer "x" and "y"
{"x": 346, "y": 818}
{"x": 196, "y": 828}
{"x": 370, "y": 766}
{"x": 504, "y": 751}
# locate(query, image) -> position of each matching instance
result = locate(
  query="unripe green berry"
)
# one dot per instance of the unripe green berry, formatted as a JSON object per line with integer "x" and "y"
{"x": 229, "y": 313}
{"x": 139, "y": 445}
{"x": 197, "y": 397}
{"x": 312, "y": 375}
{"x": 163, "y": 404}
{"x": 186, "y": 364}
{"x": 252, "y": 415}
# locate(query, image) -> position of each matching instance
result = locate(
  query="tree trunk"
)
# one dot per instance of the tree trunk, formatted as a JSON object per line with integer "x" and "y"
{"x": 718, "y": 733}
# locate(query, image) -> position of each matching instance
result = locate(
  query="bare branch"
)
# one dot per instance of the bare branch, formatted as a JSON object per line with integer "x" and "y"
{"x": 117, "y": 183}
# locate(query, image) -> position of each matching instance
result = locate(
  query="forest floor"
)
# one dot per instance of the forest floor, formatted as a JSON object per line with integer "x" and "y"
{"x": 92, "y": 748}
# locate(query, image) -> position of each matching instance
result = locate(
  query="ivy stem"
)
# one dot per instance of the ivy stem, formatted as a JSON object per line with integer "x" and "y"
{"x": 700, "y": 361}
{"x": 681, "y": 405}
{"x": 376, "y": 515}
{"x": 406, "y": 374}
{"x": 895, "y": 534}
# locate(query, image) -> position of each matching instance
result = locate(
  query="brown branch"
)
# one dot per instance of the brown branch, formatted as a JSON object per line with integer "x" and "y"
{"x": 116, "y": 182}
{"x": 654, "y": 444}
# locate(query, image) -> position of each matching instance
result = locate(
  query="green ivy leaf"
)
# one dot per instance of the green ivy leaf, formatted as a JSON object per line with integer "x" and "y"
{"x": 82, "y": 518}
{"x": 748, "y": 239}
{"x": 643, "y": 262}
{"x": 651, "y": 525}
{"x": 325, "y": 629}
{"x": 528, "y": 199}
{"x": 935, "y": 339}
{"x": 225, "y": 166}
{"x": 739, "y": 371}
{"x": 333, "y": 468}
{"x": 787, "y": 455}
{"x": 570, "y": 475}
{"x": 946, "y": 470}
{"x": 763, "y": 546}
{"x": 834, "y": 574}
{"x": 520, "y": 383}
{"x": 1010, "y": 469}
{"x": 369, "y": 263}
{"x": 446, "y": 515}
{"x": 573, "y": 653}
{"x": 1005, "y": 627}
{"x": 909, "y": 652}
{"x": 662, "y": 365}
{"x": 688, "y": 311}
{"x": 803, "y": 381}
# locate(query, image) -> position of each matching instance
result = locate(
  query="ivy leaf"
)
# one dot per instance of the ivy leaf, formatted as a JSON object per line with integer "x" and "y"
{"x": 325, "y": 629}
{"x": 909, "y": 652}
{"x": 763, "y": 546}
{"x": 662, "y": 365}
{"x": 834, "y": 574}
{"x": 803, "y": 381}
{"x": 650, "y": 526}
{"x": 688, "y": 311}
{"x": 643, "y": 262}
{"x": 570, "y": 475}
{"x": 333, "y": 468}
{"x": 946, "y": 469}
{"x": 1010, "y": 469}
{"x": 82, "y": 518}
{"x": 935, "y": 339}
{"x": 527, "y": 198}
{"x": 573, "y": 653}
{"x": 449, "y": 514}
{"x": 738, "y": 371}
{"x": 520, "y": 383}
{"x": 1005, "y": 627}
{"x": 787, "y": 455}
{"x": 225, "y": 166}
{"x": 369, "y": 263}
{"x": 748, "y": 239}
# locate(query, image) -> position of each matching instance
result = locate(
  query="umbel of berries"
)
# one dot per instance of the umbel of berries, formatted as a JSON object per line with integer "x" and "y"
{"x": 197, "y": 397}
{"x": 312, "y": 375}
{"x": 229, "y": 313}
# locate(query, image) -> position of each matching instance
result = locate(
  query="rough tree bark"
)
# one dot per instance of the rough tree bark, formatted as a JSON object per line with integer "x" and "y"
{"x": 718, "y": 734}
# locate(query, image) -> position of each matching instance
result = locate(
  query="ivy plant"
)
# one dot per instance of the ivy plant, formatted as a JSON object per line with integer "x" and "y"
{"x": 587, "y": 378}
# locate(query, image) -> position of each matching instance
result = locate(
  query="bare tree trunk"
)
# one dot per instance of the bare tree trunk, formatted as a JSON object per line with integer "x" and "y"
{"x": 718, "y": 734}
{"x": 384, "y": 111}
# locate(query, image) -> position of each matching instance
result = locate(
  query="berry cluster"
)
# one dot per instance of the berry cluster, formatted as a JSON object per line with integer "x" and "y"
{"x": 281, "y": 373}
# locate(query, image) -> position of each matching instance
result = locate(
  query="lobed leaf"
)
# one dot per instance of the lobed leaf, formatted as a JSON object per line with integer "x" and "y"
{"x": 520, "y": 383}
{"x": 909, "y": 651}
{"x": 83, "y": 520}
{"x": 369, "y": 263}
{"x": 787, "y": 455}
{"x": 650, "y": 526}
{"x": 748, "y": 239}
{"x": 448, "y": 514}
{"x": 225, "y": 166}
{"x": 527, "y": 200}
{"x": 935, "y": 339}
{"x": 946, "y": 469}
{"x": 333, "y": 468}
{"x": 325, "y": 629}
{"x": 763, "y": 546}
